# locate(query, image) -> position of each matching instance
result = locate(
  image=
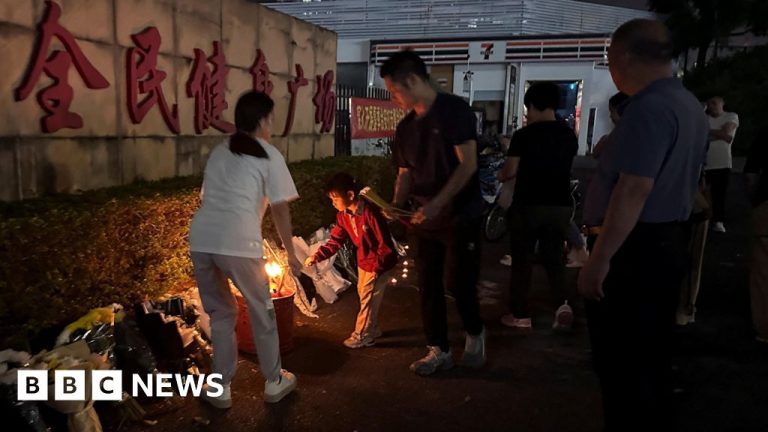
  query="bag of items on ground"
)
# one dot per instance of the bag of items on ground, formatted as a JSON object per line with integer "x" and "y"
{"x": 168, "y": 335}
{"x": 157, "y": 337}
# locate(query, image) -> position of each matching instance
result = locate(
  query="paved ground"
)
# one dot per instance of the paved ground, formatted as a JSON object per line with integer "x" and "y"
{"x": 535, "y": 381}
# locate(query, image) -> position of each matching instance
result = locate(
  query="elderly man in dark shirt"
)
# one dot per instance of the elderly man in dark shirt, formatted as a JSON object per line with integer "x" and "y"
{"x": 643, "y": 191}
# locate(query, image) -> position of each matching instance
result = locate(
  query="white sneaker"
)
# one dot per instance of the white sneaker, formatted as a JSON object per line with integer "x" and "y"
{"x": 474, "y": 351}
{"x": 563, "y": 317}
{"x": 577, "y": 258}
{"x": 683, "y": 318}
{"x": 435, "y": 360}
{"x": 275, "y": 391}
{"x": 222, "y": 401}
{"x": 718, "y": 227}
{"x": 509, "y": 320}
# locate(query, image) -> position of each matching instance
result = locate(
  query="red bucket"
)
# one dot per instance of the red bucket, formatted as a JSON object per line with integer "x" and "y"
{"x": 283, "y": 315}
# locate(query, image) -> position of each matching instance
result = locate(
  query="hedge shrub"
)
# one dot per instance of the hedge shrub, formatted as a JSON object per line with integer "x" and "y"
{"x": 64, "y": 254}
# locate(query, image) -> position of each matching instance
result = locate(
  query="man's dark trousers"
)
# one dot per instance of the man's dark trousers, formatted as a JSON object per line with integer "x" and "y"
{"x": 449, "y": 260}
{"x": 632, "y": 328}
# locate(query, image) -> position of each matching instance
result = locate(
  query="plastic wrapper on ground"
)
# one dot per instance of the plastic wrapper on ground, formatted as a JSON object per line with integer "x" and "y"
{"x": 94, "y": 319}
{"x": 327, "y": 279}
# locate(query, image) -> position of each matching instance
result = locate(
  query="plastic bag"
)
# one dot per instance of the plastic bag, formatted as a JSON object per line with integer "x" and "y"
{"x": 300, "y": 299}
{"x": 327, "y": 279}
{"x": 84, "y": 421}
{"x": 132, "y": 351}
{"x": 177, "y": 347}
{"x": 100, "y": 338}
{"x": 346, "y": 260}
{"x": 94, "y": 318}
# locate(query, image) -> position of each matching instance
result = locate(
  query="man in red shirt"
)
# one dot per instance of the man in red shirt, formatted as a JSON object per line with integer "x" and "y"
{"x": 367, "y": 229}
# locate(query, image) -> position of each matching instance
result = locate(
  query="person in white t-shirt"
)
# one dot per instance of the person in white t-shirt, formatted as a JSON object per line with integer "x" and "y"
{"x": 243, "y": 176}
{"x": 722, "y": 129}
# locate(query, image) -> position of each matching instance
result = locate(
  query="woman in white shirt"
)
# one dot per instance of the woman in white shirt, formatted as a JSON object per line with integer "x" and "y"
{"x": 243, "y": 176}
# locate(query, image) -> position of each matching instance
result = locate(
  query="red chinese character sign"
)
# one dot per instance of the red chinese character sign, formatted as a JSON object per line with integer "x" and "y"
{"x": 371, "y": 118}
{"x": 325, "y": 102}
{"x": 260, "y": 72}
{"x": 56, "y": 99}
{"x": 144, "y": 81}
{"x": 293, "y": 89}
{"x": 144, "y": 78}
{"x": 206, "y": 85}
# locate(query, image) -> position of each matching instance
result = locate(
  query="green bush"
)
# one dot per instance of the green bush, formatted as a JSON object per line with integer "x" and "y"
{"x": 742, "y": 80}
{"x": 64, "y": 254}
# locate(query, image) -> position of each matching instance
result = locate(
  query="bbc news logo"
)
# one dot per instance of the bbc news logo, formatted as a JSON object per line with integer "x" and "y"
{"x": 107, "y": 385}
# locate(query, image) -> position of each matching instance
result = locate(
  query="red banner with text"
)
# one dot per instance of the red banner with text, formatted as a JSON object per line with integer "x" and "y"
{"x": 373, "y": 118}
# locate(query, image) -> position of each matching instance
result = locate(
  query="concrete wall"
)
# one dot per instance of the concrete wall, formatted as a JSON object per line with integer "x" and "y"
{"x": 109, "y": 149}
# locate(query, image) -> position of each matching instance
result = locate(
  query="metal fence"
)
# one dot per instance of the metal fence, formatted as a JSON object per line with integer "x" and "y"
{"x": 343, "y": 145}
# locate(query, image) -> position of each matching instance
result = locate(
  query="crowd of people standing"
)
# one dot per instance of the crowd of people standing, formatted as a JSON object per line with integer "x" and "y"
{"x": 645, "y": 217}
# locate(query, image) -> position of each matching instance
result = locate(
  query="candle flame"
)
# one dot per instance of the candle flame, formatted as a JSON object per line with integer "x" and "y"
{"x": 273, "y": 269}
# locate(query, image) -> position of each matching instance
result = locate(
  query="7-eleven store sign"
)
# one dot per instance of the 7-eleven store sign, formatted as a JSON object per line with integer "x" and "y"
{"x": 487, "y": 52}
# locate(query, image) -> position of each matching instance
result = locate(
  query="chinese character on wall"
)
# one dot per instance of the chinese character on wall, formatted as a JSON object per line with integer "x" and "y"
{"x": 293, "y": 89}
{"x": 325, "y": 102}
{"x": 260, "y": 72}
{"x": 206, "y": 85}
{"x": 56, "y": 99}
{"x": 144, "y": 78}
{"x": 56, "y": 51}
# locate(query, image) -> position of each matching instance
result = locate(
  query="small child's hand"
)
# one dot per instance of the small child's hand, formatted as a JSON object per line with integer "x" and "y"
{"x": 310, "y": 261}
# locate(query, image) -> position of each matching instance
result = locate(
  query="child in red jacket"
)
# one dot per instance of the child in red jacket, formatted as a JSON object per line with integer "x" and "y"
{"x": 365, "y": 226}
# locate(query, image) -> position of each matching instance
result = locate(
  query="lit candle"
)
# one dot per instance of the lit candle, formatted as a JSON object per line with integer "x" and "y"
{"x": 274, "y": 271}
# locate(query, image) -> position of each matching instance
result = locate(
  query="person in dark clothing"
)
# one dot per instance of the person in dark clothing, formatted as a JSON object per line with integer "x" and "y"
{"x": 366, "y": 228}
{"x": 638, "y": 201}
{"x": 613, "y": 108}
{"x": 435, "y": 149}
{"x": 756, "y": 168}
{"x": 757, "y": 177}
{"x": 539, "y": 163}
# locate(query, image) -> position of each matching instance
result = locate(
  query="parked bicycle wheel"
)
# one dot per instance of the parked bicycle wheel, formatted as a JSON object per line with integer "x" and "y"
{"x": 495, "y": 223}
